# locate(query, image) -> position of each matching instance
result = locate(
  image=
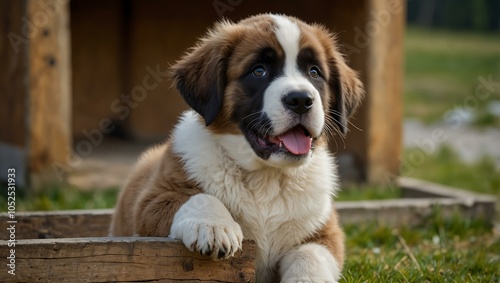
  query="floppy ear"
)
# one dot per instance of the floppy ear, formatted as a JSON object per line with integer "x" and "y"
{"x": 347, "y": 91}
{"x": 200, "y": 74}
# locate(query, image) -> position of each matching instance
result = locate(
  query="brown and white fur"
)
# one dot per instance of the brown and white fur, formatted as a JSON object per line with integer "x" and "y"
{"x": 250, "y": 161}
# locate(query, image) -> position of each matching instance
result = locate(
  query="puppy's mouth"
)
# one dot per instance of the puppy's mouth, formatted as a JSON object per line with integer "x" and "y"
{"x": 296, "y": 142}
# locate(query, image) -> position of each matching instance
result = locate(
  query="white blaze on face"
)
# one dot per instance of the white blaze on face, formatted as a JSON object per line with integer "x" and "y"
{"x": 288, "y": 35}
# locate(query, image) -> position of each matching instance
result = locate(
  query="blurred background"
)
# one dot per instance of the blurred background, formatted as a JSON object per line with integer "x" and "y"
{"x": 452, "y": 86}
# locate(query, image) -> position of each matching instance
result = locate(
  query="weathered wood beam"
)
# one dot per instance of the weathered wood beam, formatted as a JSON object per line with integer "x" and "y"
{"x": 49, "y": 80}
{"x": 384, "y": 88}
{"x": 122, "y": 260}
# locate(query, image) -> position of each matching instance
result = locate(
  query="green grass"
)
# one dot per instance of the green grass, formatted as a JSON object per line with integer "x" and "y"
{"x": 443, "y": 167}
{"x": 58, "y": 197}
{"x": 451, "y": 250}
{"x": 446, "y": 167}
{"x": 442, "y": 70}
{"x": 442, "y": 249}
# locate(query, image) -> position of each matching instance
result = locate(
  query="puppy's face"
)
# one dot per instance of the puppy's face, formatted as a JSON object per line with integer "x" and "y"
{"x": 275, "y": 80}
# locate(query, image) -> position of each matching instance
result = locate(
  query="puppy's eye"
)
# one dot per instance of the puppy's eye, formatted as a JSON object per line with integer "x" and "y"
{"x": 314, "y": 72}
{"x": 259, "y": 71}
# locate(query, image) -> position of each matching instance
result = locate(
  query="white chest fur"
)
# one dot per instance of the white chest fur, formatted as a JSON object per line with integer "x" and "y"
{"x": 276, "y": 207}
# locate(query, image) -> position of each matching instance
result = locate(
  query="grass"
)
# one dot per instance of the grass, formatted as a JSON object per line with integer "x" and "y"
{"x": 58, "y": 197}
{"x": 441, "y": 250}
{"x": 442, "y": 71}
{"x": 446, "y": 167}
{"x": 443, "y": 167}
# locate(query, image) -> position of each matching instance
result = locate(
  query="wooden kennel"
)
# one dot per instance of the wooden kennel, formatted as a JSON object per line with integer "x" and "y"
{"x": 66, "y": 63}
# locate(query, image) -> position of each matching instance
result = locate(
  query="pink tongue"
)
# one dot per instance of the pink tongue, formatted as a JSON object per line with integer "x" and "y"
{"x": 296, "y": 141}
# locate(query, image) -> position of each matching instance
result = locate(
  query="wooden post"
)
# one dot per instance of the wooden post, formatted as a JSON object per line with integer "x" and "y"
{"x": 373, "y": 40}
{"x": 49, "y": 79}
{"x": 384, "y": 88}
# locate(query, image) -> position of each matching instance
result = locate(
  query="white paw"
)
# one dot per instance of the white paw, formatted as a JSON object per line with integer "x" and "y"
{"x": 205, "y": 225}
{"x": 309, "y": 263}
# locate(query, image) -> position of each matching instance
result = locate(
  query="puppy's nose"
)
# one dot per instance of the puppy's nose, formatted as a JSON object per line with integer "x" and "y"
{"x": 299, "y": 102}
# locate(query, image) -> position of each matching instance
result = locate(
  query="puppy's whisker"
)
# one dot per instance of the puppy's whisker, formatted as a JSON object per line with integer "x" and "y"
{"x": 330, "y": 135}
{"x": 332, "y": 121}
{"x": 266, "y": 127}
{"x": 349, "y": 122}
{"x": 251, "y": 114}
{"x": 255, "y": 123}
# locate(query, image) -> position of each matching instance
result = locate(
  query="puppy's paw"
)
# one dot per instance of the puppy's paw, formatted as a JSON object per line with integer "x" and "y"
{"x": 309, "y": 263}
{"x": 205, "y": 225}
{"x": 217, "y": 239}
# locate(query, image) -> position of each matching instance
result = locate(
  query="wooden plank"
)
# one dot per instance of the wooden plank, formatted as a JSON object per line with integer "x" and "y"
{"x": 122, "y": 260}
{"x": 403, "y": 212}
{"x": 49, "y": 123}
{"x": 60, "y": 224}
{"x": 420, "y": 200}
{"x": 415, "y": 188}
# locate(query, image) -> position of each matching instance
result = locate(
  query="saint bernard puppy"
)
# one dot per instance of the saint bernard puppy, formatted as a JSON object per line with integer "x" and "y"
{"x": 251, "y": 160}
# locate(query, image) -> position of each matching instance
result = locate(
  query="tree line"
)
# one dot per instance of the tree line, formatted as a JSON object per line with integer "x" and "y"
{"x": 481, "y": 15}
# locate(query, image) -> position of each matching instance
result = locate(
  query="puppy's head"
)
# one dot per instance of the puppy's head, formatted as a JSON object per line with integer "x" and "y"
{"x": 275, "y": 80}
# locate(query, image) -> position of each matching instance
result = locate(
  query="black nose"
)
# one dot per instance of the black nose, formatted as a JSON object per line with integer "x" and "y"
{"x": 299, "y": 102}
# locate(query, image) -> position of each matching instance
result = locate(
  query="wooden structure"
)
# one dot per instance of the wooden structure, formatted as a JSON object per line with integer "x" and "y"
{"x": 74, "y": 70}
{"x": 48, "y": 250}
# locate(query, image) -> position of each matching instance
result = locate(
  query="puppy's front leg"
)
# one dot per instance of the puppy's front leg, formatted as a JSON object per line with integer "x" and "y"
{"x": 309, "y": 263}
{"x": 204, "y": 224}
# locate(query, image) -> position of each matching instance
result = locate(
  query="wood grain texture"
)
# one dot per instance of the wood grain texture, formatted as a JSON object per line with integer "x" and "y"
{"x": 123, "y": 260}
{"x": 49, "y": 120}
{"x": 384, "y": 89}
{"x": 60, "y": 224}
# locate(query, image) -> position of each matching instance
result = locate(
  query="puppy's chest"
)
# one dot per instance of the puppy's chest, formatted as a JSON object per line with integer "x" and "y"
{"x": 275, "y": 210}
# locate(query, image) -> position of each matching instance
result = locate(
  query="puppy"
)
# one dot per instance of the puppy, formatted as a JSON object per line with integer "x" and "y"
{"x": 250, "y": 160}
